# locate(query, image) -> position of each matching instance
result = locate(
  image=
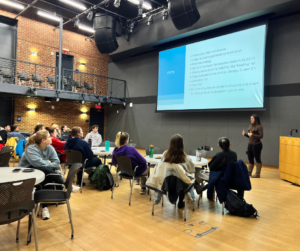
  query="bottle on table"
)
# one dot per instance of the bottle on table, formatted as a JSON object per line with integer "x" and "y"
{"x": 198, "y": 154}
{"x": 151, "y": 151}
{"x": 90, "y": 143}
{"x": 107, "y": 143}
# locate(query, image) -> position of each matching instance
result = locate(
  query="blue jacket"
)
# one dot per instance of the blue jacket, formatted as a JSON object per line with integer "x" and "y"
{"x": 234, "y": 176}
{"x": 81, "y": 146}
{"x": 20, "y": 147}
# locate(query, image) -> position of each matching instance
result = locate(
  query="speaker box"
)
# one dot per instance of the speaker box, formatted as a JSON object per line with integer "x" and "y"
{"x": 184, "y": 13}
{"x": 105, "y": 33}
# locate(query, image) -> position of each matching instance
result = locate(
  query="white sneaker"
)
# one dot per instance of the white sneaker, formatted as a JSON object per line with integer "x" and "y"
{"x": 45, "y": 213}
{"x": 75, "y": 189}
{"x": 136, "y": 182}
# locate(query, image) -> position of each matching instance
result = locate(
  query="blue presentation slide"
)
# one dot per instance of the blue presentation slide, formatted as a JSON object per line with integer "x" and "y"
{"x": 225, "y": 72}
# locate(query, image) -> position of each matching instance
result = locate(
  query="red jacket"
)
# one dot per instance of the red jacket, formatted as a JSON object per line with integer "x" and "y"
{"x": 58, "y": 145}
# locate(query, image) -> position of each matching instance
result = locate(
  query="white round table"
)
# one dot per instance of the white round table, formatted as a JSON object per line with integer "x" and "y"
{"x": 6, "y": 175}
{"x": 153, "y": 160}
{"x": 100, "y": 151}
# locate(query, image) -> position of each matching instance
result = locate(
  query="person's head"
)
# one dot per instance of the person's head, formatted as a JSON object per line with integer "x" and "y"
{"x": 224, "y": 143}
{"x": 56, "y": 127}
{"x": 14, "y": 128}
{"x": 122, "y": 139}
{"x": 94, "y": 128}
{"x": 52, "y": 131}
{"x": 64, "y": 128}
{"x": 175, "y": 153}
{"x": 39, "y": 128}
{"x": 41, "y": 139}
{"x": 7, "y": 127}
{"x": 255, "y": 121}
{"x": 77, "y": 132}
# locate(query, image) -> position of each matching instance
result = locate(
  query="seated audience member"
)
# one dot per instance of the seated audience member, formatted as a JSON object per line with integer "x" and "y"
{"x": 137, "y": 159}
{"x": 174, "y": 162}
{"x": 4, "y": 132}
{"x": 218, "y": 162}
{"x": 38, "y": 128}
{"x": 15, "y": 132}
{"x": 41, "y": 155}
{"x": 65, "y": 133}
{"x": 76, "y": 143}
{"x": 57, "y": 144}
{"x": 57, "y": 129}
{"x": 94, "y": 136}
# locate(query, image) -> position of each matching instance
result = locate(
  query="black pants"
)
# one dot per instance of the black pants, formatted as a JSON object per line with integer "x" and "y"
{"x": 90, "y": 163}
{"x": 254, "y": 151}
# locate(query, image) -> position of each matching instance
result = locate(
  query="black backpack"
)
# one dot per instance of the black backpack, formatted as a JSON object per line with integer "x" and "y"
{"x": 102, "y": 177}
{"x": 109, "y": 180}
{"x": 238, "y": 206}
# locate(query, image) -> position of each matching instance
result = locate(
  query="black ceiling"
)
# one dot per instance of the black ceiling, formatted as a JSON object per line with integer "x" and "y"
{"x": 127, "y": 10}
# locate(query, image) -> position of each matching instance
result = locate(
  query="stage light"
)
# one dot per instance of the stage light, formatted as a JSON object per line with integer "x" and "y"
{"x": 76, "y": 23}
{"x": 74, "y": 4}
{"x": 132, "y": 26}
{"x": 12, "y": 4}
{"x": 57, "y": 99}
{"x": 44, "y": 14}
{"x": 150, "y": 20}
{"x": 99, "y": 104}
{"x": 89, "y": 29}
{"x": 165, "y": 14}
{"x": 146, "y": 6}
{"x": 32, "y": 109}
{"x": 90, "y": 15}
{"x": 82, "y": 101}
{"x": 117, "y": 3}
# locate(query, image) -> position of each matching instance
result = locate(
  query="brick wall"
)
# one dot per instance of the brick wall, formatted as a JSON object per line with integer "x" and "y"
{"x": 34, "y": 36}
{"x": 64, "y": 113}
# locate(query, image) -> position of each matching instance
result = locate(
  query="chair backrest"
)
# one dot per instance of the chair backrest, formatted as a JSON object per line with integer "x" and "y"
{"x": 73, "y": 157}
{"x": 193, "y": 153}
{"x": 157, "y": 150}
{"x": 124, "y": 165}
{"x": 16, "y": 195}
{"x": 6, "y": 149}
{"x": 71, "y": 175}
{"x": 4, "y": 159}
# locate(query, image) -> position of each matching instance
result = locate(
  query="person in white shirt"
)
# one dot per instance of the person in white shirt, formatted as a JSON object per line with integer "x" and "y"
{"x": 94, "y": 136}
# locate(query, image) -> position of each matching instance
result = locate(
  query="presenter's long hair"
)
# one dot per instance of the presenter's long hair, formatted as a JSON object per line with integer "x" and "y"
{"x": 175, "y": 153}
{"x": 253, "y": 127}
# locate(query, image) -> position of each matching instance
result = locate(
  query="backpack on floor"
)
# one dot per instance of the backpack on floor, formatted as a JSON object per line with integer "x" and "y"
{"x": 102, "y": 177}
{"x": 238, "y": 206}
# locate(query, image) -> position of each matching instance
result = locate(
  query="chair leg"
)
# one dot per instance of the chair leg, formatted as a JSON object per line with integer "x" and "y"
{"x": 130, "y": 183}
{"x": 70, "y": 216}
{"x": 82, "y": 180}
{"x": 35, "y": 232}
{"x": 37, "y": 209}
{"x": 112, "y": 192}
{"x": 199, "y": 200}
{"x": 117, "y": 179}
{"x": 153, "y": 207}
{"x": 149, "y": 194}
{"x": 162, "y": 200}
{"x": 18, "y": 231}
{"x": 65, "y": 167}
{"x": 131, "y": 191}
{"x": 185, "y": 209}
{"x": 223, "y": 208}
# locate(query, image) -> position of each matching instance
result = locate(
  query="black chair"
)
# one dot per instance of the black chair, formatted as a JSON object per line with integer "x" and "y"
{"x": 157, "y": 150}
{"x": 124, "y": 166}
{"x": 162, "y": 192}
{"x": 73, "y": 157}
{"x": 59, "y": 196}
{"x": 4, "y": 159}
{"x": 16, "y": 203}
{"x": 7, "y": 149}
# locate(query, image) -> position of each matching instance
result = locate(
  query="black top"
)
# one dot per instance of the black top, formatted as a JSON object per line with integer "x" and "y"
{"x": 3, "y": 134}
{"x": 64, "y": 136}
{"x": 221, "y": 160}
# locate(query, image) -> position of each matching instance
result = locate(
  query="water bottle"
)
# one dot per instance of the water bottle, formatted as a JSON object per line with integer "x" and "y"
{"x": 151, "y": 151}
{"x": 90, "y": 143}
{"x": 198, "y": 154}
{"x": 107, "y": 145}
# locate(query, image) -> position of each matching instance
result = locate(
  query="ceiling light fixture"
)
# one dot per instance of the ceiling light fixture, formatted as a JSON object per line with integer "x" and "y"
{"x": 47, "y": 15}
{"x": 86, "y": 28}
{"x": 74, "y": 4}
{"x": 90, "y": 15}
{"x": 150, "y": 20}
{"x": 117, "y": 3}
{"x": 12, "y": 4}
{"x": 76, "y": 23}
{"x": 32, "y": 109}
{"x": 146, "y": 6}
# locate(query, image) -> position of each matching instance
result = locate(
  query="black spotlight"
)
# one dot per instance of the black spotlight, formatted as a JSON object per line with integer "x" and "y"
{"x": 165, "y": 14}
{"x": 117, "y": 3}
{"x": 82, "y": 102}
{"x": 184, "y": 13}
{"x": 150, "y": 20}
{"x": 90, "y": 15}
{"x": 99, "y": 104}
{"x": 106, "y": 29}
{"x": 48, "y": 100}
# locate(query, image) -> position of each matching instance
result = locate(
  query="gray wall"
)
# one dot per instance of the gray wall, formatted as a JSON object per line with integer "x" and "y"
{"x": 198, "y": 129}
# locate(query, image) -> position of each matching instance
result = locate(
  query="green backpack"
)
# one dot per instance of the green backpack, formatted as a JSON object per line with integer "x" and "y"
{"x": 102, "y": 178}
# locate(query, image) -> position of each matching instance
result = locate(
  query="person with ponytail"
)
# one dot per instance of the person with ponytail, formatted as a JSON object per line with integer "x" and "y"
{"x": 57, "y": 144}
{"x": 218, "y": 162}
{"x": 40, "y": 155}
{"x": 137, "y": 159}
{"x": 255, "y": 134}
{"x": 76, "y": 143}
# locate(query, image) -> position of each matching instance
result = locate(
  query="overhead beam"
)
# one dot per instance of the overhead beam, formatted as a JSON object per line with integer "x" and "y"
{"x": 26, "y": 8}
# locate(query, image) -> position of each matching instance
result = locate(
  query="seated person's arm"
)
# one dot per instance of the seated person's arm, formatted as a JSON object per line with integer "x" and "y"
{"x": 54, "y": 158}
{"x": 183, "y": 175}
{"x": 216, "y": 161}
{"x": 139, "y": 157}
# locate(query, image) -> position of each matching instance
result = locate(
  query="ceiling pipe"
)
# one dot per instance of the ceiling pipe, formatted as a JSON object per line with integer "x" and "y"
{"x": 28, "y": 6}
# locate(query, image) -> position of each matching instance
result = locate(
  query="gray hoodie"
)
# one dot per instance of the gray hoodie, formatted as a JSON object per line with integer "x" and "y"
{"x": 95, "y": 137}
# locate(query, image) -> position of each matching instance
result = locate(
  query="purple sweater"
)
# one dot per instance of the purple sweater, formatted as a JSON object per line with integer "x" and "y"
{"x": 134, "y": 155}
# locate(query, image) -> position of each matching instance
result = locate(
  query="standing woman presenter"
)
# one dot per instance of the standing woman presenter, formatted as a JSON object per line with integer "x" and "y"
{"x": 255, "y": 134}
